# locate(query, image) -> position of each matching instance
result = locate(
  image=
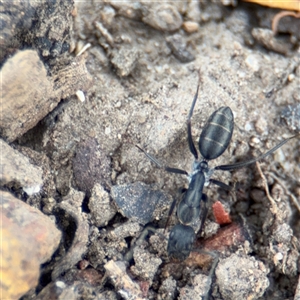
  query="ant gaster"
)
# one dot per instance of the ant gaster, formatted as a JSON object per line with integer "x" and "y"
{"x": 213, "y": 141}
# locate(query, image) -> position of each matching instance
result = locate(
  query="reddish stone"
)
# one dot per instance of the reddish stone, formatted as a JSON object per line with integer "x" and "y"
{"x": 221, "y": 215}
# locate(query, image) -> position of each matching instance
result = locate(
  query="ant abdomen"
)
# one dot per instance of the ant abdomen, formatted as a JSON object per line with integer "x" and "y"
{"x": 216, "y": 135}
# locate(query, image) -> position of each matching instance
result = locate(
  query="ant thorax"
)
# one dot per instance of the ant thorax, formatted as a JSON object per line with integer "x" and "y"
{"x": 201, "y": 166}
{"x": 207, "y": 175}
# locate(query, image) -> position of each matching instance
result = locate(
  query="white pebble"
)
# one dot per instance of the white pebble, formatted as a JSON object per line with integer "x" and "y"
{"x": 80, "y": 96}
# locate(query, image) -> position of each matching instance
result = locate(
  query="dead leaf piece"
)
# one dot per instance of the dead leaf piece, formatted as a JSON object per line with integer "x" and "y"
{"x": 26, "y": 94}
{"x": 287, "y": 4}
{"x": 281, "y": 15}
{"x": 71, "y": 78}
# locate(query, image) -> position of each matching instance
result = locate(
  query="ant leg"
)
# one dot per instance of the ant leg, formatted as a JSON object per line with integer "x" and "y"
{"x": 203, "y": 211}
{"x": 189, "y": 126}
{"x": 221, "y": 184}
{"x": 147, "y": 230}
{"x": 215, "y": 257}
{"x": 166, "y": 168}
{"x": 251, "y": 161}
{"x": 183, "y": 190}
{"x": 170, "y": 213}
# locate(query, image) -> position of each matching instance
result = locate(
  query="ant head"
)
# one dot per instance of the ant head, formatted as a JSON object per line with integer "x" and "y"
{"x": 200, "y": 165}
{"x": 203, "y": 165}
{"x": 180, "y": 243}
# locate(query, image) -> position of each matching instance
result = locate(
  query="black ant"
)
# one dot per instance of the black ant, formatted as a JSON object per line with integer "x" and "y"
{"x": 213, "y": 141}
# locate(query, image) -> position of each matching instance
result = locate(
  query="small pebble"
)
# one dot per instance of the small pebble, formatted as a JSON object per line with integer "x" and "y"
{"x": 60, "y": 284}
{"x": 268, "y": 40}
{"x": 178, "y": 47}
{"x": 190, "y": 26}
{"x": 291, "y": 115}
{"x": 261, "y": 125}
{"x": 138, "y": 201}
{"x": 252, "y": 62}
{"x": 107, "y": 131}
{"x": 80, "y": 96}
{"x": 125, "y": 60}
{"x": 101, "y": 207}
{"x": 241, "y": 277}
{"x": 164, "y": 17}
{"x": 254, "y": 141}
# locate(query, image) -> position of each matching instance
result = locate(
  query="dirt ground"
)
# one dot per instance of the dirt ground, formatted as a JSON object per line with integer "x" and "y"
{"x": 144, "y": 60}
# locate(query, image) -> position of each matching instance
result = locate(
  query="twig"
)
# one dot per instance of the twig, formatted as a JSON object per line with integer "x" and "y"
{"x": 281, "y": 15}
{"x": 273, "y": 203}
{"x": 294, "y": 199}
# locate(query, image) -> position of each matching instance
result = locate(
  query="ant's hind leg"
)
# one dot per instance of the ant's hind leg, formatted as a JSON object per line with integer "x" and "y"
{"x": 146, "y": 231}
{"x": 181, "y": 191}
{"x": 189, "y": 126}
{"x": 211, "y": 273}
{"x": 203, "y": 211}
{"x": 170, "y": 213}
{"x": 208, "y": 279}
